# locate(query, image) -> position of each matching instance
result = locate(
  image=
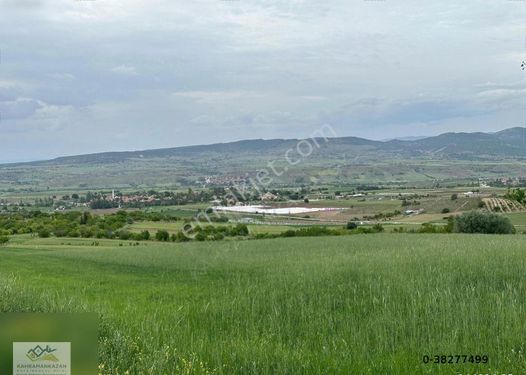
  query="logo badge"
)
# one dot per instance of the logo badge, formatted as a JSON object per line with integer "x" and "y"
{"x": 37, "y": 358}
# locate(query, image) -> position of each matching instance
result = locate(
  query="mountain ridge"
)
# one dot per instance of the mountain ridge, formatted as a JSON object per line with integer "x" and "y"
{"x": 337, "y": 161}
{"x": 509, "y": 142}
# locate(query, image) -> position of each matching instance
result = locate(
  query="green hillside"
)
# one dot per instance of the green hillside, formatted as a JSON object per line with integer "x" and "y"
{"x": 332, "y": 160}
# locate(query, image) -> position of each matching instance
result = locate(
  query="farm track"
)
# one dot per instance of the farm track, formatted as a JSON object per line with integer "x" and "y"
{"x": 462, "y": 206}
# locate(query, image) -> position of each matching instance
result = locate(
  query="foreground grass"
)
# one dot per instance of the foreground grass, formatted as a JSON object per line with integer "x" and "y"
{"x": 363, "y": 304}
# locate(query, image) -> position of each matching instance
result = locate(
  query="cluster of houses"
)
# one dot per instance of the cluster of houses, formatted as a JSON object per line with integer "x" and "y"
{"x": 503, "y": 181}
{"x": 347, "y": 196}
{"x": 269, "y": 197}
{"x": 223, "y": 180}
{"x": 230, "y": 201}
{"x": 512, "y": 181}
{"x": 136, "y": 199}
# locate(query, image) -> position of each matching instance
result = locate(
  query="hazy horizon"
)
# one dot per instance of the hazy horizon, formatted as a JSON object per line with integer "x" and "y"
{"x": 401, "y": 137}
{"x": 81, "y": 77}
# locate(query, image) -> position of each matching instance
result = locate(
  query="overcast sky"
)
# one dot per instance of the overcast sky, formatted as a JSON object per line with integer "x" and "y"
{"x": 107, "y": 75}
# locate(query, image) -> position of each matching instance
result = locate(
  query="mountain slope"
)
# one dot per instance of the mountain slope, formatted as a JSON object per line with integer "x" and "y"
{"x": 332, "y": 160}
{"x": 509, "y": 143}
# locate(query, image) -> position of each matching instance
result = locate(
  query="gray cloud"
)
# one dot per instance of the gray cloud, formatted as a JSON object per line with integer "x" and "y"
{"x": 22, "y": 4}
{"x": 19, "y": 109}
{"x": 159, "y": 74}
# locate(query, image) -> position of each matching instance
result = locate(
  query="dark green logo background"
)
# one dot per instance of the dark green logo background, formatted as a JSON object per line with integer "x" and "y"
{"x": 80, "y": 329}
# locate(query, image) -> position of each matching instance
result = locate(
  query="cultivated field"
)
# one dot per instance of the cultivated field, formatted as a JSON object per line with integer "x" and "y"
{"x": 361, "y": 304}
{"x": 502, "y": 205}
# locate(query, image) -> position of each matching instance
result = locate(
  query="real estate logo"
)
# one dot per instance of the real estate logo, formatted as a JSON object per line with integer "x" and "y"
{"x": 39, "y": 354}
{"x": 37, "y": 358}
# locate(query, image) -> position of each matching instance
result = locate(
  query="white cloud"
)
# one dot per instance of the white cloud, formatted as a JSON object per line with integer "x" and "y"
{"x": 125, "y": 69}
{"x": 214, "y": 97}
{"x": 63, "y": 76}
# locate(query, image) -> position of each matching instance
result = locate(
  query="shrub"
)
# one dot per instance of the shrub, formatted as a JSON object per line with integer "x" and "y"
{"x": 162, "y": 235}
{"x": 365, "y": 230}
{"x": 124, "y": 235}
{"x": 378, "y": 228}
{"x": 429, "y": 228}
{"x": 239, "y": 230}
{"x": 218, "y": 236}
{"x": 446, "y": 210}
{"x": 145, "y": 235}
{"x": 180, "y": 237}
{"x": 480, "y": 222}
{"x": 289, "y": 233}
{"x": 313, "y": 231}
{"x": 86, "y": 232}
{"x": 60, "y": 232}
{"x": 352, "y": 225}
{"x": 155, "y": 217}
{"x": 73, "y": 233}
{"x": 4, "y": 240}
{"x": 44, "y": 233}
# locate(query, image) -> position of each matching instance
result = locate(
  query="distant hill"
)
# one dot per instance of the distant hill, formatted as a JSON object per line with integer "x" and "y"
{"x": 509, "y": 143}
{"x": 408, "y": 138}
{"x": 336, "y": 159}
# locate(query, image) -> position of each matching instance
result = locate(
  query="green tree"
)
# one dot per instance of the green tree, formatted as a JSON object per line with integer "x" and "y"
{"x": 145, "y": 235}
{"x": 44, "y": 233}
{"x": 518, "y": 195}
{"x": 124, "y": 234}
{"x": 239, "y": 230}
{"x": 201, "y": 236}
{"x": 85, "y": 218}
{"x": 483, "y": 222}
{"x": 162, "y": 235}
{"x": 378, "y": 228}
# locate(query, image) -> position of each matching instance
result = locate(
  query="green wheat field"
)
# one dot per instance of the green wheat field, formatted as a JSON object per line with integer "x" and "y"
{"x": 360, "y": 304}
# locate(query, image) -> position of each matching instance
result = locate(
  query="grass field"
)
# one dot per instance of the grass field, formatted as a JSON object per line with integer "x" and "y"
{"x": 362, "y": 304}
{"x": 518, "y": 219}
{"x": 173, "y": 227}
